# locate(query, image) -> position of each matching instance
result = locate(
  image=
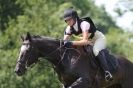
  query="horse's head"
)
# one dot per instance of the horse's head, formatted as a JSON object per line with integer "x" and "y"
{"x": 27, "y": 56}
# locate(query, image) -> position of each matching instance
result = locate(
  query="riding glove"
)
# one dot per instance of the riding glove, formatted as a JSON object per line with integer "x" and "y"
{"x": 68, "y": 44}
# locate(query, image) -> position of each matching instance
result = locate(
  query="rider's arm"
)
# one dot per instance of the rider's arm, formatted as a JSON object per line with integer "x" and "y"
{"x": 77, "y": 37}
{"x": 66, "y": 37}
{"x": 85, "y": 26}
{"x": 84, "y": 40}
{"x": 67, "y": 33}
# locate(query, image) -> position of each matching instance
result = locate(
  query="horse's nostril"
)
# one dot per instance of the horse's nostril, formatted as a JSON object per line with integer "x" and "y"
{"x": 17, "y": 70}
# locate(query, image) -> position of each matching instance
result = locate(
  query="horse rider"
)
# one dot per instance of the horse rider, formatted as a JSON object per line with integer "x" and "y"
{"x": 87, "y": 29}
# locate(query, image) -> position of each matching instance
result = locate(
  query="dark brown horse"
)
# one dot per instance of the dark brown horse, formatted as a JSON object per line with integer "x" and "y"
{"x": 75, "y": 67}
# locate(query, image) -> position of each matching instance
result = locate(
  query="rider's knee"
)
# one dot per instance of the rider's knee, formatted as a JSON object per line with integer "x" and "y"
{"x": 95, "y": 51}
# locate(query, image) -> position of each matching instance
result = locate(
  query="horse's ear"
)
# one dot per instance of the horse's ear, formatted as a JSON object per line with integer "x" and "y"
{"x": 22, "y": 38}
{"x": 28, "y": 37}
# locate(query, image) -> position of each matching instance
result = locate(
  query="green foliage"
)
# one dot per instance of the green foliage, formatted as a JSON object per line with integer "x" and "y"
{"x": 44, "y": 17}
{"x": 8, "y": 9}
{"x": 120, "y": 43}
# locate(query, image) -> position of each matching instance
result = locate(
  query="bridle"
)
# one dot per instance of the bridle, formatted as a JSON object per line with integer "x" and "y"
{"x": 22, "y": 62}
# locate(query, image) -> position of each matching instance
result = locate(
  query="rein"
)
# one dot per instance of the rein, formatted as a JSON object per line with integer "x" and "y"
{"x": 62, "y": 55}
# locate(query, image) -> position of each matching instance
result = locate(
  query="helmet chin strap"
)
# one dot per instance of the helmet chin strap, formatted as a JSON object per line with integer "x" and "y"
{"x": 75, "y": 19}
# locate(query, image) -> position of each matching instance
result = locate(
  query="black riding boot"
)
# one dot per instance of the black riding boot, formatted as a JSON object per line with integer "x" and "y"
{"x": 102, "y": 59}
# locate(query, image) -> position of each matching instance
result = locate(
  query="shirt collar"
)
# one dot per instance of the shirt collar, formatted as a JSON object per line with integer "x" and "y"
{"x": 76, "y": 26}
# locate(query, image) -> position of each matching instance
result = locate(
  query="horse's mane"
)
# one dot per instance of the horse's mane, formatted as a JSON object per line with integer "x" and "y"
{"x": 45, "y": 38}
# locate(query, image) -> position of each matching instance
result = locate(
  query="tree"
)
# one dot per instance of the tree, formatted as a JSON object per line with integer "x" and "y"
{"x": 9, "y": 9}
{"x": 124, "y": 6}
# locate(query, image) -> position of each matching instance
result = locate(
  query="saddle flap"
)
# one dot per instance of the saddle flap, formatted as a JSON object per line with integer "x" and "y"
{"x": 111, "y": 61}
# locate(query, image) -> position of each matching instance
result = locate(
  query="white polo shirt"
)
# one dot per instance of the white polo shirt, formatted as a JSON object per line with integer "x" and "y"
{"x": 85, "y": 26}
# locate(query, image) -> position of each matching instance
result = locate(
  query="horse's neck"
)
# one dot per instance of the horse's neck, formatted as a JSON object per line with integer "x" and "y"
{"x": 49, "y": 50}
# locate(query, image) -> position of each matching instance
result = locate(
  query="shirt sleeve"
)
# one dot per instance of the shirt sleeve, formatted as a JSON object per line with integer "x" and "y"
{"x": 85, "y": 26}
{"x": 67, "y": 31}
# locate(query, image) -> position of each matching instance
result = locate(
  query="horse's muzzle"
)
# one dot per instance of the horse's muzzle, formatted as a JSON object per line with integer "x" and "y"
{"x": 19, "y": 70}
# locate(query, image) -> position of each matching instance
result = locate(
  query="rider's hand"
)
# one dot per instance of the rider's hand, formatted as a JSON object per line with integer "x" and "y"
{"x": 68, "y": 44}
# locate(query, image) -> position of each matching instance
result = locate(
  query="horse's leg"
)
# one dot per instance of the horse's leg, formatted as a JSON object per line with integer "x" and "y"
{"x": 81, "y": 83}
{"x": 63, "y": 86}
